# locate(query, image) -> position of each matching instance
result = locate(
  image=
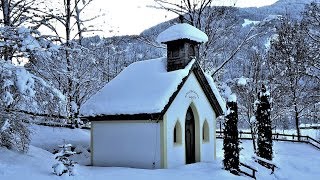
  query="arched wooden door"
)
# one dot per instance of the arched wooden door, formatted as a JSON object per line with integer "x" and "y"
{"x": 190, "y": 137}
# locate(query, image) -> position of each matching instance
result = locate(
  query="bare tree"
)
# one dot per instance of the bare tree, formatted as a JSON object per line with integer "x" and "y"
{"x": 68, "y": 25}
{"x": 311, "y": 24}
{"x": 293, "y": 91}
{"x": 215, "y": 22}
{"x": 81, "y": 20}
{"x": 192, "y": 9}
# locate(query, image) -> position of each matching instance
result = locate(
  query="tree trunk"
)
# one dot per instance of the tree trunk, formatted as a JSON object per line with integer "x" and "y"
{"x": 297, "y": 121}
{"x": 253, "y": 138}
{"x": 296, "y": 112}
{"x": 6, "y": 12}
{"x": 78, "y": 21}
{"x": 6, "y": 22}
{"x": 69, "y": 94}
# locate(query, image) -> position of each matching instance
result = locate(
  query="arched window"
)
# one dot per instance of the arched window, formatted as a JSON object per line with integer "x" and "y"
{"x": 177, "y": 133}
{"x": 205, "y": 132}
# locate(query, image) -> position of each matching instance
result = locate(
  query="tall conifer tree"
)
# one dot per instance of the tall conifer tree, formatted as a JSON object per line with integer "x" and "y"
{"x": 231, "y": 139}
{"x": 264, "y": 125}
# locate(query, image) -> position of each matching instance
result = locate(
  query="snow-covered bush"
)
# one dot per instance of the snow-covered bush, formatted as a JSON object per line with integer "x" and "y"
{"x": 15, "y": 86}
{"x": 17, "y": 43}
{"x": 64, "y": 164}
{"x": 14, "y": 134}
{"x": 22, "y": 94}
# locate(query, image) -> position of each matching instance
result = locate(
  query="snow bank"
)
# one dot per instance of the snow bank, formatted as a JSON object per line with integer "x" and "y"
{"x": 182, "y": 31}
{"x": 36, "y": 164}
{"x": 49, "y": 138}
{"x": 142, "y": 87}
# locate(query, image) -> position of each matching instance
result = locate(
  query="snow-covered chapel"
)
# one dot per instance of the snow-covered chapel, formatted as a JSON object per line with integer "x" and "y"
{"x": 158, "y": 113}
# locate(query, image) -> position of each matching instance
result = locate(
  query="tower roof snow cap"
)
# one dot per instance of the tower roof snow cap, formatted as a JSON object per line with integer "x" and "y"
{"x": 182, "y": 31}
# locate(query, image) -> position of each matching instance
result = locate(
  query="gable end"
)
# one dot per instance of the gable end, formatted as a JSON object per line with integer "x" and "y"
{"x": 207, "y": 90}
{"x": 196, "y": 69}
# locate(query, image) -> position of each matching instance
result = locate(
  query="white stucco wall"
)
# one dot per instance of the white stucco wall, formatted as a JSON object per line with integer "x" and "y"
{"x": 126, "y": 144}
{"x": 190, "y": 93}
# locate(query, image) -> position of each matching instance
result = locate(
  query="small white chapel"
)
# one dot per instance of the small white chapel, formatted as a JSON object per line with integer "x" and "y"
{"x": 158, "y": 113}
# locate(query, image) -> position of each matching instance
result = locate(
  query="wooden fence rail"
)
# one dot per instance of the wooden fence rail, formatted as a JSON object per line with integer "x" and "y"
{"x": 279, "y": 137}
{"x": 253, "y": 170}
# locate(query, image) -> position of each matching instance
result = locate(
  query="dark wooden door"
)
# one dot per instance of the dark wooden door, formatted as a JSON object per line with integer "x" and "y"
{"x": 190, "y": 137}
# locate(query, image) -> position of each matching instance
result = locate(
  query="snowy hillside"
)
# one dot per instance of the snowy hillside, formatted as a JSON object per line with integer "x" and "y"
{"x": 282, "y": 7}
{"x": 294, "y": 161}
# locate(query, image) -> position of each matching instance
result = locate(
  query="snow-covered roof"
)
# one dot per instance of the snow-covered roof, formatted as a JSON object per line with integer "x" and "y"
{"x": 215, "y": 91}
{"x": 182, "y": 31}
{"x": 142, "y": 87}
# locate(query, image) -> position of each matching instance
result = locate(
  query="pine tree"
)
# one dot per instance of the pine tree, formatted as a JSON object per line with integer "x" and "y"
{"x": 231, "y": 139}
{"x": 64, "y": 164}
{"x": 263, "y": 110}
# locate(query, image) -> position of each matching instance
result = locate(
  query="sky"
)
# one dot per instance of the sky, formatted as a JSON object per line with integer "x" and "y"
{"x": 129, "y": 17}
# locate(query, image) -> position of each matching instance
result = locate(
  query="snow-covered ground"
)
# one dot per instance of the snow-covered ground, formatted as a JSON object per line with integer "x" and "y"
{"x": 295, "y": 161}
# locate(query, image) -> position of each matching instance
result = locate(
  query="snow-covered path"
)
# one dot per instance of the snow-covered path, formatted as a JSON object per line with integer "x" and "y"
{"x": 295, "y": 161}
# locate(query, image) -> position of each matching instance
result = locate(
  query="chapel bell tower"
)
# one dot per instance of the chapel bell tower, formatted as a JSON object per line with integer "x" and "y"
{"x": 183, "y": 41}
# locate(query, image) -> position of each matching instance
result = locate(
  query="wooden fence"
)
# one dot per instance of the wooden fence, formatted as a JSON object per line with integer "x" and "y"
{"x": 279, "y": 137}
{"x": 253, "y": 170}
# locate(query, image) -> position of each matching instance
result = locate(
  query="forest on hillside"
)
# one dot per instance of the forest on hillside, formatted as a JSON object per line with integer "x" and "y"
{"x": 46, "y": 76}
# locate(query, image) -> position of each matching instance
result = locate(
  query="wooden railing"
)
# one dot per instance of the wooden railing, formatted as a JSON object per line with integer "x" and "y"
{"x": 266, "y": 163}
{"x": 279, "y": 137}
{"x": 253, "y": 171}
{"x": 295, "y": 138}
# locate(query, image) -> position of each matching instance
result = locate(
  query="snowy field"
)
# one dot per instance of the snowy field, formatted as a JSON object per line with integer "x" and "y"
{"x": 295, "y": 161}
